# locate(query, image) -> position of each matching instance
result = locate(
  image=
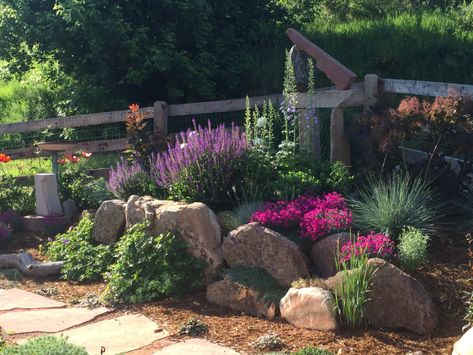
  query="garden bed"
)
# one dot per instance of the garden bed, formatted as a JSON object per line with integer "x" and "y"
{"x": 446, "y": 278}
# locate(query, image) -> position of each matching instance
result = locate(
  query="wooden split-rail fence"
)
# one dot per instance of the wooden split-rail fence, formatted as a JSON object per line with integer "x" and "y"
{"x": 362, "y": 93}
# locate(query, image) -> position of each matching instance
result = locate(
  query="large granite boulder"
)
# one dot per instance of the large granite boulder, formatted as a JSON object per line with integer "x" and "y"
{"x": 255, "y": 245}
{"x": 464, "y": 346}
{"x": 229, "y": 293}
{"x": 109, "y": 223}
{"x": 194, "y": 222}
{"x": 311, "y": 308}
{"x": 324, "y": 252}
{"x": 396, "y": 300}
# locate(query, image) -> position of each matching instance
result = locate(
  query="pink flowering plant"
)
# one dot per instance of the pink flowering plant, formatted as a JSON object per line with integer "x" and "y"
{"x": 314, "y": 217}
{"x": 374, "y": 245}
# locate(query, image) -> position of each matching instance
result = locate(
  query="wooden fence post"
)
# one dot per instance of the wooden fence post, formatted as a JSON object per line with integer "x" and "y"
{"x": 339, "y": 144}
{"x": 160, "y": 120}
{"x": 371, "y": 91}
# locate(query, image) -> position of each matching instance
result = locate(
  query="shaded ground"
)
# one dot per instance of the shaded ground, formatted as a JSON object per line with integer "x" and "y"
{"x": 447, "y": 277}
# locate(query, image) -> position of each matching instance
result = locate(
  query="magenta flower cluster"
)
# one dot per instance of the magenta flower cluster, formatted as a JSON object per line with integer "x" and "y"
{"x": 374, "y": 245}
{"x": 315, "y": 217}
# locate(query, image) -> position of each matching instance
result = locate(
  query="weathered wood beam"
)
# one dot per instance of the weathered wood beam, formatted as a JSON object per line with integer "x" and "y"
{"x": 25, "y": 263}
{"x": 339, "y": 74}
{"x": 425, "y": 88}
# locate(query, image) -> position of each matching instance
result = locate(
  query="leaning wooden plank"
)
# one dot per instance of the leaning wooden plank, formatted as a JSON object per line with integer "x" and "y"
{"x": 70, "y": 121}
{"x": 25, "y": 263}
{"x": 340, "y": 75}
{"x": 425, "y": 88}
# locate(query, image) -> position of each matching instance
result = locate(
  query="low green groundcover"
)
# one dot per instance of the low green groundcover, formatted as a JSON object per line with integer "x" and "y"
{"x": 47, "y": 345}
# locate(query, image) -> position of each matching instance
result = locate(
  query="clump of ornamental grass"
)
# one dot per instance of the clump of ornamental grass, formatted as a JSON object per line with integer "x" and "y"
{"x": 203, "y": 164}
{"x": 241, "y": 214}
{"x": 390, "y": 205}
{"x": 128, "y": 179}
{"x": 352, "y": 293}
{"x": 412, "y": 248}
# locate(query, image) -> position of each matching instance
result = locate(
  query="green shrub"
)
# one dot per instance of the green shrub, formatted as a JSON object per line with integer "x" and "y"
{"x": 310, "y": 350}
{"x": 193, "y": 327}
{"x": 84, "y": 259}
{"x": 87, "y": 192}
{"x": 389, "y": 206}
{"x": 45, "y": 345}
{"x": 352, "y": 293}
{"x": 148, "y": 267}
{"x": 412, "y": 248}
{"x": 258, "y": 279}
{"x": 14, "y": 196}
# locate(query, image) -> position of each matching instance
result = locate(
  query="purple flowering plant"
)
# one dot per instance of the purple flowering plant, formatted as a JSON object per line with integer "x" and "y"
{"x": 203, "y": 164}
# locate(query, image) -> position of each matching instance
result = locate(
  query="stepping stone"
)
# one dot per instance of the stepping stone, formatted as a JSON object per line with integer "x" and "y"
{"x": 196, "y": 347}
{"x": 47, "y": 320}
{"x": 15, "y": 298}
{"x": 117, "y": 336}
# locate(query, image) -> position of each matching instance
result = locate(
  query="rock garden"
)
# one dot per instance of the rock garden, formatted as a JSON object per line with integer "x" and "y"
{"x": 237, "y": 240}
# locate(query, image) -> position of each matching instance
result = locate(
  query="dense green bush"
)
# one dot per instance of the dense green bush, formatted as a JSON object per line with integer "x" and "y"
{"x": 390, "y": 205}
{"x": 87, "y": 192}
{"x": 84, "y": 259}
{"x": 45, "y": 345}
{"x": 149, "y": 267}
{"x": 412, "y": 248}
{"x": 17, "y": 197}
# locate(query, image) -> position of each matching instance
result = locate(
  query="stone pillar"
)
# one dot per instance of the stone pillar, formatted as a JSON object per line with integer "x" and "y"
{"x": 339, "y": 144}
{"x": 47, "y": 197}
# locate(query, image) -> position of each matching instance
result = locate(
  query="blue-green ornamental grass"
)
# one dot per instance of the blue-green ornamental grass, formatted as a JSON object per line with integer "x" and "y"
{"x": 388, "y": 206}
{"x": 412, "y": 248}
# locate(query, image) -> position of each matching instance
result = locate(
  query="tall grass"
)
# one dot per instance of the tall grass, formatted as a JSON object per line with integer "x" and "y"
{"x": 352, "y": 293}
{"x": 390, "y": 205}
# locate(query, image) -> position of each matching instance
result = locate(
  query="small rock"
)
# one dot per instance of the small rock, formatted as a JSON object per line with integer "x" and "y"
{"x": 255, "y": 245}
{"x": 464, "y": 346}
{"x": 229, "y": 293}
{"x": 324, "y": 252}
{"x": 109, "y": 223}
{"x": 310, "y": 308}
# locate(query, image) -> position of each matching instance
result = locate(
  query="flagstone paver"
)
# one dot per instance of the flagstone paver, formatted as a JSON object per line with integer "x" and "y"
{"x": 196, "y": 347}
{"x": 117, "y": 336}
{"x": 47, "y": 320}
{"x": 15, "y": 298}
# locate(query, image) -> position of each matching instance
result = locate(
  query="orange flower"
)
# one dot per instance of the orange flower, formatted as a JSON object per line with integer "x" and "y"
{"x": 86, "y": 155}
{"x": 61, "y": 161}
{"x": 4, "y": 158}
{"x": 134, "y": 107}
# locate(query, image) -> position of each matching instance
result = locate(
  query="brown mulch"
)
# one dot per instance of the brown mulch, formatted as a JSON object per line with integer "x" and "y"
{"x": 447, "y": 277}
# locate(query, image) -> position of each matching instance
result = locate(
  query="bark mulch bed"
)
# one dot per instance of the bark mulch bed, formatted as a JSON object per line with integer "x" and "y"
{"x": 447, "y": 277}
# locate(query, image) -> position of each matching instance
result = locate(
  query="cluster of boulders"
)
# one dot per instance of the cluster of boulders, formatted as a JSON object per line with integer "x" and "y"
{"x": 396, "y": 299}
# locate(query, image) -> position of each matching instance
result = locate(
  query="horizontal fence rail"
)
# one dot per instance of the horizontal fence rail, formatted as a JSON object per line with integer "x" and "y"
{"x": 362, "y": 93}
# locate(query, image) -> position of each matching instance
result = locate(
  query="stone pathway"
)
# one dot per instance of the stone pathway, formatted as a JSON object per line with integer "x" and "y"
{"x": 23, "y": 312}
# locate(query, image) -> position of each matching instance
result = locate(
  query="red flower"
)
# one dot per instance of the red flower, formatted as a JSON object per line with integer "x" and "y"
{"x": 72, "y": 158}
{"x": 4, "y": 158}
{"x": 134, "y": 107}
{"x": 86, "y": 155}
{"x": 61, "y": 161}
